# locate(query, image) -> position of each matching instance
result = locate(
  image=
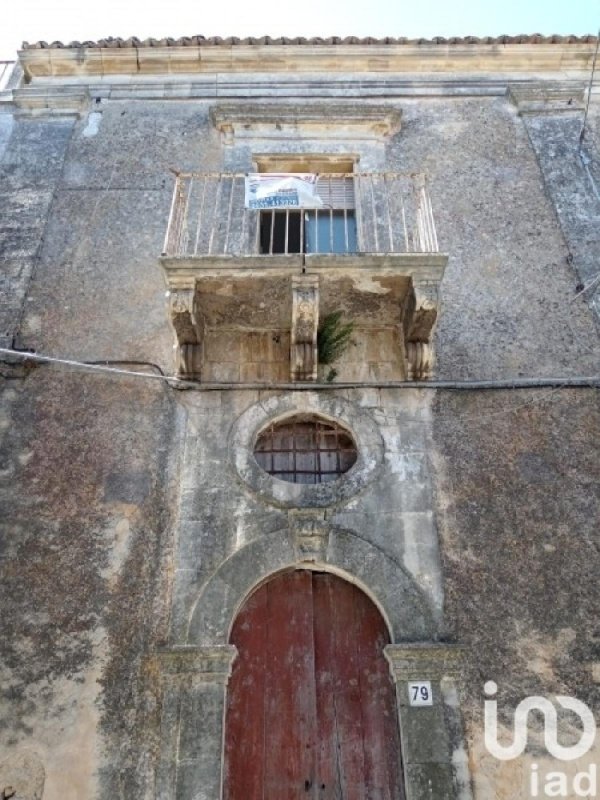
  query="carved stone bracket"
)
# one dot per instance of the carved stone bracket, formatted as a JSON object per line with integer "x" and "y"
{"x": 305, "y": 321}
{"x": 416, "y": 661}
{"x": 184, "y": 320}
{"x": 311, "y": 535}
{"x": 188, "y": 666}
{"x": 420, "y": 318}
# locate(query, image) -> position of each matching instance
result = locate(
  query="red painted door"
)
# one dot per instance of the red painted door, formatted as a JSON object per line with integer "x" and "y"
{"x": 311, "y": 708}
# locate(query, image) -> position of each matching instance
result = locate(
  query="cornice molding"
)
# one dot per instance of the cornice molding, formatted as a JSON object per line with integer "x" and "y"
{"x": 191, "y": 665}
{"x": 33, "y": 101}
{"x": 460, "y": 58}
{"x": 547, "y": 97}
{"x": 306, "y": 121}
{"x": 424, "y": 661}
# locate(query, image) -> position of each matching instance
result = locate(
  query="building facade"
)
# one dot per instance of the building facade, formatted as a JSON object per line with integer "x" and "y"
{"x": 299, "y": 417}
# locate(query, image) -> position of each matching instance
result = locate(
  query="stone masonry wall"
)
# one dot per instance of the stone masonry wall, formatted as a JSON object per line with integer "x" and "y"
{"x": 94, "y": 467}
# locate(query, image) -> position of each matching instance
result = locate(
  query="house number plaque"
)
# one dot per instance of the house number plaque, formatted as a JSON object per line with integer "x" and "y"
{"x": 419, "y": 693}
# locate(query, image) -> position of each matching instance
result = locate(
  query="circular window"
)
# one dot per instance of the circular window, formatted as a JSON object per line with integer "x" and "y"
{"x": 305, "y": 449}
{"x": 331, "y": 463}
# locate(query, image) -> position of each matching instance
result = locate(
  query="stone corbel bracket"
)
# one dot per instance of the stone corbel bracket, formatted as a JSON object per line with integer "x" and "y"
{"x": 186, "y": 326}
{"x": 311, "y": 536}
{"x": 420, "y": 316}
{"x": 305, "y": 322}
{"x": 547, "y": 97}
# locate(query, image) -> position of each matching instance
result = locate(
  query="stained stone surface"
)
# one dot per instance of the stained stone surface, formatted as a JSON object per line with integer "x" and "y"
{"x": 121, "y": 510}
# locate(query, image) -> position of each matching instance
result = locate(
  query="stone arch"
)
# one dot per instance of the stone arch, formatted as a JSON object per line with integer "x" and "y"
{"x": 310, "y": 699}
{"x": 402, "y": 603}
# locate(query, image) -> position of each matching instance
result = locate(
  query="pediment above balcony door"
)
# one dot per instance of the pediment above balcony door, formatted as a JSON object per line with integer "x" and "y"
{"x": 305, "y": 122}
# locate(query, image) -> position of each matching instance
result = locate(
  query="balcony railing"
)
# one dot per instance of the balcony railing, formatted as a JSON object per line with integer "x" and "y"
{"x": 361, "y": 213}
{"x": 6, "y": 70}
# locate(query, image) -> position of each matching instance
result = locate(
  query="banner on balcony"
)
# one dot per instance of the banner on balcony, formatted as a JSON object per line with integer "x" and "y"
{"x": 282, "y": 190}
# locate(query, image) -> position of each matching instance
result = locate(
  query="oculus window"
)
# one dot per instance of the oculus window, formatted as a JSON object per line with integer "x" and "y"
{"x": 305, "y": 449}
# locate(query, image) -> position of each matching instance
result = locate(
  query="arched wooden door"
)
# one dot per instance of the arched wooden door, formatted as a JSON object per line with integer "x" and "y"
{"x": 311, "y": 708}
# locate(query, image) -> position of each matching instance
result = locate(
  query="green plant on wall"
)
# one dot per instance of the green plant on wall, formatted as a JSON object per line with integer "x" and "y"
{"x": 333, "y": 337}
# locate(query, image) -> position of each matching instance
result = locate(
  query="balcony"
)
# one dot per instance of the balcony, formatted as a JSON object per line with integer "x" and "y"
{"x": 248, "y": 285}
{"x": 361, "y": 213}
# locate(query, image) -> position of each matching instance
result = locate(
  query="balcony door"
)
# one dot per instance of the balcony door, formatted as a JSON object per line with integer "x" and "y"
{"x": 311, "y": 709}
{"x": 329, "y": 228}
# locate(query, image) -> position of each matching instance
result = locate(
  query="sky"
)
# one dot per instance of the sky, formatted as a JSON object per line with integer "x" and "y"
{"x": 69, "y": 20}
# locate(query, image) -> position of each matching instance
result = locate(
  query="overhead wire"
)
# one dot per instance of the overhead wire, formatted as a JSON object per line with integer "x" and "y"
{"x": 477, "y": 418}
{"x": 589, "y": 92}
{"x": 556, "y": 382}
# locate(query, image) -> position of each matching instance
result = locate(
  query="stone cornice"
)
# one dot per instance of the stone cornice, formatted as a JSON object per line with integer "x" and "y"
{"x": 308, "y": 120}
{"x": 182, "y": 272}
{"x": 33, "y": 101}
{"x": 547, "y": 97}
{"x": 460, "y": 58}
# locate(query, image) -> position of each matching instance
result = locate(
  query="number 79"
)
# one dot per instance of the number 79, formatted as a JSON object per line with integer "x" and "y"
{"x": 419, "y": 693}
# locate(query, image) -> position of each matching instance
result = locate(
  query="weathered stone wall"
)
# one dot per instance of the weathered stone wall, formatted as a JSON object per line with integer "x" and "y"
{"x": 116, "y": 489}
{"x": 569, "y": 160}
{"x": 31, "y": 162}
{"x": 87, "y": 496}
{"x": 518, "y": 487}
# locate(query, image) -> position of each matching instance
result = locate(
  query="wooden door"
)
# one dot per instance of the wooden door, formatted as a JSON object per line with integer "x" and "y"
{"x": 311, "y": 708}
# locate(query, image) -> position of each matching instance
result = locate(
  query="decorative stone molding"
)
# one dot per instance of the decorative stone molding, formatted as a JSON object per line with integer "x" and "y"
{"x": 304, "y": 121}
{"x": 417, "y": 279}
{"x": 305, "y": 321}
{"x": 295, "y": 495}
{"x": 407, "y": 609}
{"x": 192, "y": 665}
{"x": 194, "y": 681}
{"x": 420, "y": 317}
{"x": 311, "y": 535}
{"x": 423, "y": 660}
{"x": 184, "y": 320}
{"x": 65, "y": 101}
{"x": 418, "y": 361}
{"x": 431, "y": 733}
{"x": 497, "y": 56}
{"x": 547, "y": 97}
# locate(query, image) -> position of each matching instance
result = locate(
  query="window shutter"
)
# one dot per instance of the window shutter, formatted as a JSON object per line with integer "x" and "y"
{"x": 336, "y": 192}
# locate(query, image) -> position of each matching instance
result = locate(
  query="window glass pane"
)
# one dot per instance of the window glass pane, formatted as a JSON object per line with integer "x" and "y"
{"x": 330, "y": 231}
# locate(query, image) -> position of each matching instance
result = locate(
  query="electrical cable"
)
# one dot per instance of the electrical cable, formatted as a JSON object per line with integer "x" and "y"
{"x": 589, "y": 94}
{"x": 588, "y": 381}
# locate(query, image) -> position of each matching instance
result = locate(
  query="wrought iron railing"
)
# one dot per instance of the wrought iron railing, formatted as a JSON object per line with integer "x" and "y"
{"x": 360, "y": 213}
{"x": 6, "y": 69}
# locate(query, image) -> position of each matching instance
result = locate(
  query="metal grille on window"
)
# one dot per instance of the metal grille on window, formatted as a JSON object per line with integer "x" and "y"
{"x": 328, "y": 229}
{"x": 305, "y": 450}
